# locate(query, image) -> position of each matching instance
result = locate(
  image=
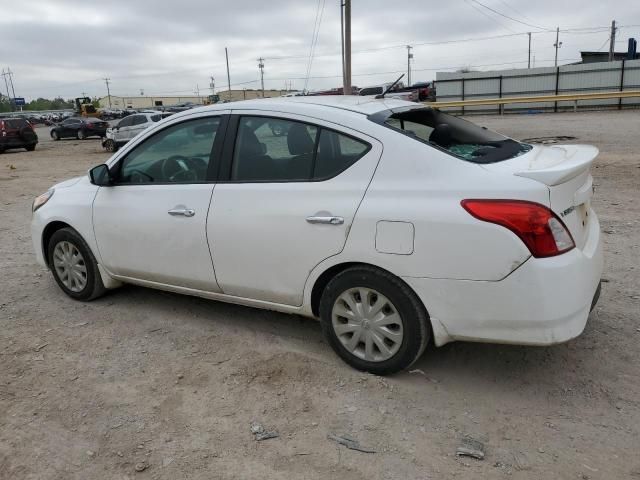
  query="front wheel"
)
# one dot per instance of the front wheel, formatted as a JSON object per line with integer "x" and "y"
{"x": 55, "y": 135}
{"x": 373, "y": 320}
{"x": 73, "y": 265}
{"x": 81, "y": 134}
{"x": 30, "y": 148}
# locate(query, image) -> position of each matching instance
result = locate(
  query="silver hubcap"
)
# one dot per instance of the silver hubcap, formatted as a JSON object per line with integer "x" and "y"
{"x": 70, "y": 266}
{"x": 367, "y": 324}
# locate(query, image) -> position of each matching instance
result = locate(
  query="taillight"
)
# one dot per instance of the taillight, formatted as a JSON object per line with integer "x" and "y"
{"x": 539, "y": 228}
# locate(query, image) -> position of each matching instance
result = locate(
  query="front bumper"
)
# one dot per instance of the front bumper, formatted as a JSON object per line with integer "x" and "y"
{"x": 543, "y": 302}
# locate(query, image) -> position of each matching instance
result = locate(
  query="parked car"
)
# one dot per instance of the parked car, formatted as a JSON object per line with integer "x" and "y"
{"x": 17, "y": 133}
{"x": 129, "y": 127}
{"x": 392, "y": 222}
{"x": 398, "y": 92}
{"x": 80, "y": 128}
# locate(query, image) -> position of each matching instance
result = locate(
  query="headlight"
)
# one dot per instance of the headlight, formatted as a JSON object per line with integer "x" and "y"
{"x": 42, "y": 199}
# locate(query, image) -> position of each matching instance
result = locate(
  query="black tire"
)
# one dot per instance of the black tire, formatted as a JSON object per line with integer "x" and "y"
{"x": 55, "y": 135}
{"x": 30, "y": 148}
{"x": 94, "y": 287}
{"x": 110, "y": 145}
{"x": 414, "y": 317}
{"x": 81, "y": 135}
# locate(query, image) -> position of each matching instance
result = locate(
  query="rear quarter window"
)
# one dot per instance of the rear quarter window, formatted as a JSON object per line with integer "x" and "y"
{"x": 15, "y": 123}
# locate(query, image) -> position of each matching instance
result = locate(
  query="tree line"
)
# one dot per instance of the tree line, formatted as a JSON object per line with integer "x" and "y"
{"x": 37, "y": 104}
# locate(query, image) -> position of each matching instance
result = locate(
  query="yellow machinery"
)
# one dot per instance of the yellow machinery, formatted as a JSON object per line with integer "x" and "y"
{"x": 85, "y": 108}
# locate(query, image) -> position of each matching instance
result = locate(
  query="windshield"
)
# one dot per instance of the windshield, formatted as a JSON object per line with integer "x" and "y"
{"x": 455, "y": 136}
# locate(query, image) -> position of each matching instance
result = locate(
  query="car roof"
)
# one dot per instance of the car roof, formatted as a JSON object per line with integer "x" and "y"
{"x": 347, "y": 103}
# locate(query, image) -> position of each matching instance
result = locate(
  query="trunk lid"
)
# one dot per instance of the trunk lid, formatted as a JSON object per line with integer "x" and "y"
{"x": 566, "y": 171}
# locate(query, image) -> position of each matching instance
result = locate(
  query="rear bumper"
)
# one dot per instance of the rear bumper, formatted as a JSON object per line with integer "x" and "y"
{"x": 543, "y": 302}
{"x": 11, "y": 142}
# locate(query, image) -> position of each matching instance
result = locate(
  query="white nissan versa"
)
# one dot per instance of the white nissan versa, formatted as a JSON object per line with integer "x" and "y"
{"x": 392, "y": 222}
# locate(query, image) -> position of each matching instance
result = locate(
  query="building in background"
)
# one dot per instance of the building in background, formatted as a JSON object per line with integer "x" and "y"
{"x": 596, "y": 57}
{"x": 248, "y": 94}
{"x": 140, "y": 102}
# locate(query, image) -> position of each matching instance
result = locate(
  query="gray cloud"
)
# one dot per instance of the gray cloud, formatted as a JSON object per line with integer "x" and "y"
{"x": 66, "y": 47}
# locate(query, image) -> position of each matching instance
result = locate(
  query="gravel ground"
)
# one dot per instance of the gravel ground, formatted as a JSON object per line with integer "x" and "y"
{"x": 148, "y": 384}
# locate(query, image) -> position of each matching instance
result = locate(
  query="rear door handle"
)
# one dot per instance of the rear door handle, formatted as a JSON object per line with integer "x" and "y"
{"x": 328, "y": 220}
{"x": 185, "y": 212}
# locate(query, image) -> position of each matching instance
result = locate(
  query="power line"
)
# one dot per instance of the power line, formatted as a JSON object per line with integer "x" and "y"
{"x": 507, "y": 16}
{"x": 314, "y": 39}
{"x": 513, "y": 9}
{"x": 468, "y": 2}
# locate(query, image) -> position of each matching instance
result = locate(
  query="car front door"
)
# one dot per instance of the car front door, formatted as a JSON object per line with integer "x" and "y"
{"x": 121, "y": 132}
{"x": 285, "y": 200}
{"x": 70, "y": 127}
{"x": 151, "y": 224}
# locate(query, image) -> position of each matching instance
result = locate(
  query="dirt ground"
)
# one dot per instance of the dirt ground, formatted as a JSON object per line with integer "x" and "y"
{"x": 170, "y": 384}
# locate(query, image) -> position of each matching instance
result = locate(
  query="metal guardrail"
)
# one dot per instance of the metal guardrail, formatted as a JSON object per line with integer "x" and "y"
{"x": 537, "y": 99}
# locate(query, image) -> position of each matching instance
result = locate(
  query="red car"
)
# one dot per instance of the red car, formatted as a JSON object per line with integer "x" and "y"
{"x": 17, "y": 133}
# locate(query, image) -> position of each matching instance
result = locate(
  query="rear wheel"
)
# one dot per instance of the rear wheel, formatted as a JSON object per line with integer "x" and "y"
{"x": 373, "y": 320}
{"x": 30, "y": 148}
{"x": 73, "y": 265}
{"x": 81, "y": 134}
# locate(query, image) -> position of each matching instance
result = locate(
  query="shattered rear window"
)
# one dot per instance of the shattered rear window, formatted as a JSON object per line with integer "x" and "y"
{"x": 458, "y": 137}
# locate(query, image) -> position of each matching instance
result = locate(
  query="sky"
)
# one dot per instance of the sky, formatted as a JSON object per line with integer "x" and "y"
{"x": 67, "y": 47}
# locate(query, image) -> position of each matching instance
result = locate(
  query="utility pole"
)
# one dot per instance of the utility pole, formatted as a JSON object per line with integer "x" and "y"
{"x": 344, "y": 78}
{"x": 13, "y": 91}
{"x": 226, "y": 54}
{"x": 558, "y": 44}
{"x": 261, "y": 67}
{"x": 409, "y": 57}
{"x": 6, "y": 84}
{"x": 529, "y": 58}
{"x": 347, "y": 48}
{"x": 106, "y": 80}
{"x": 612, "y": 41}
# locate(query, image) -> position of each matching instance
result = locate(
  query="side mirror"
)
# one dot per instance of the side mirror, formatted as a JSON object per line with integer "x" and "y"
{"x": 101, "y": 176}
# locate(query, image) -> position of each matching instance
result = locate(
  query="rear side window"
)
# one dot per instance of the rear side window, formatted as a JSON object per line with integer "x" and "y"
{"x": 139, "y": 119}
{"x": 336, "y": 153}
{"x": 455, "y": 136}
{"x": 371, "y": 91}
{"x": 15, "y": 123}
{"x": 278, "y": 150}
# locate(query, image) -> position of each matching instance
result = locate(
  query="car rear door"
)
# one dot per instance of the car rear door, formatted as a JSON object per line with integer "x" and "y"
{"x": 139, "y": 124}
{"x": 285, "y": 200}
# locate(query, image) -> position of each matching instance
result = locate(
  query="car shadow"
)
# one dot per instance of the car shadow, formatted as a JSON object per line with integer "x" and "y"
{"x": 459, "y": 363}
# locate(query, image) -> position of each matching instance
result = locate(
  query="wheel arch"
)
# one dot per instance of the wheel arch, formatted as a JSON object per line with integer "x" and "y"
{"x": 325, "y": 277}
{"x": 47, "y": 233}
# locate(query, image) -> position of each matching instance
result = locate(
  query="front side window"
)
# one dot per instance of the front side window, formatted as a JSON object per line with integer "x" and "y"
{"x": 125, "y": 122}
{"x": 279, "y": 150}
{"x": 456, "y": 136}
{"x": 177, "y": 154}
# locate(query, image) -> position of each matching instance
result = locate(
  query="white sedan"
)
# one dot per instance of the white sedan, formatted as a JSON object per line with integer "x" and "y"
{"x": 394, "y": 223}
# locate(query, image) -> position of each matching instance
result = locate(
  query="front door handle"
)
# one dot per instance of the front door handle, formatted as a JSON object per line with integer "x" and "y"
{"x": 328, "y": 220}
{"x": 185, "y": 212}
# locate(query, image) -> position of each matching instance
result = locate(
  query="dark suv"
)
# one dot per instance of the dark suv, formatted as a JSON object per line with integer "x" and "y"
{"x": 17, "y": 133}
